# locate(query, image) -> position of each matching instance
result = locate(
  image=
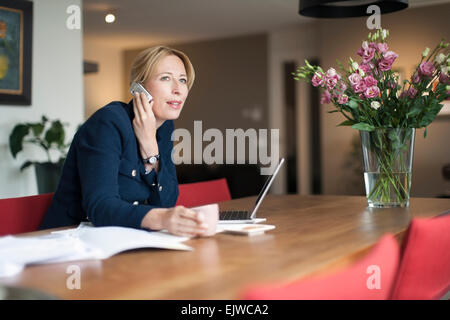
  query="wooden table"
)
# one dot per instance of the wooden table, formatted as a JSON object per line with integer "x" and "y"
{"x": 314, "y": 234}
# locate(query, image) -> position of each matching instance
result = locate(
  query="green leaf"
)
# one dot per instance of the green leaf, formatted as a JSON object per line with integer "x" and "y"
{"x": 37, "y": 128}
{"x": 16, "y": 138}
{"x": 26, "y": 165}
{"x": 55, "y": 134}
{"x": 363, "y": 126}
{"x": 346, "y": 123}
{"x": 352, "y": 104}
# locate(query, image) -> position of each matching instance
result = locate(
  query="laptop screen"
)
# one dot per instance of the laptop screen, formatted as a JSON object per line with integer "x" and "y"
{"x": 266, "y": 187}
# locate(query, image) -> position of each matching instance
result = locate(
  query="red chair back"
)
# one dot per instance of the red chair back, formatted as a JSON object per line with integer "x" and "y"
{"x": 371, "y": 278}
{"x": 201, "y": 193}
{"x": 25, "y": 214}
{"x": 424, "y": 271}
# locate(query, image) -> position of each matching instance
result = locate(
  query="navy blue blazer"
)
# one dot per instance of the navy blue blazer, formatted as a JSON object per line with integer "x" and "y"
{"x": 103, "y": 178}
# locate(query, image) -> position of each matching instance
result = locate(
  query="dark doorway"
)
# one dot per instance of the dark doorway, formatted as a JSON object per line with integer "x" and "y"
{"x": 290, "y": 103}
{"x": 315, "y": 153}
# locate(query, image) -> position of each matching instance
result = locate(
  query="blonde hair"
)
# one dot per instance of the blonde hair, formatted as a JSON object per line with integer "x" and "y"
{"x": 145, "y": 62}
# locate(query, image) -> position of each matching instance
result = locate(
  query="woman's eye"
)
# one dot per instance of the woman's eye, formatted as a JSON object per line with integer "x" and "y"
{"x": 164, "y": 78}
{"x": 183, "y": 80}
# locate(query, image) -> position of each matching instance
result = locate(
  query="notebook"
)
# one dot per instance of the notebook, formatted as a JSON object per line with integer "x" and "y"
{"x": 83, "y": 243}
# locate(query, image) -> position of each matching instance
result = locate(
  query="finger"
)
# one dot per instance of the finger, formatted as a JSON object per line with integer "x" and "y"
{"x": 193, "y": 215}
{"x": 184, "y": 232}
{"x": 140, "y": 107}
{"x": 188, "y": 223}
{"x": 144, "y": 101}
{"x": 136, "y": 109}
{"x": 191, "y": 231}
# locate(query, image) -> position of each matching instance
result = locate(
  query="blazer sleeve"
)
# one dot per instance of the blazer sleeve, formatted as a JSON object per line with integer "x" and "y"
{"x": 99, "y": 151}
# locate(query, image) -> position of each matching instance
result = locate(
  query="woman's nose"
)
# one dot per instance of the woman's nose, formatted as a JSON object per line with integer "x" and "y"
{"x": 175, "y": 88}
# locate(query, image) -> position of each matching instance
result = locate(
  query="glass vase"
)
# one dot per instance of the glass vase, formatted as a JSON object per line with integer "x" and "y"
{"x": 387, "y": 157}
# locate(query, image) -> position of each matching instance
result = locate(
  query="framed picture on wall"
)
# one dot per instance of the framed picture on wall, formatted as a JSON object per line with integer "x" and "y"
{"x": 16, "y": 20}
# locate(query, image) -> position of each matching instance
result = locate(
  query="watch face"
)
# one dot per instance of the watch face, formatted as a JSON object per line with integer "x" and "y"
{"x": 153, "y": 160}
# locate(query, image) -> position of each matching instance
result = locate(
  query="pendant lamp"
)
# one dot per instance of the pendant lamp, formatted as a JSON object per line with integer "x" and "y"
{"x": 346, "y": 9}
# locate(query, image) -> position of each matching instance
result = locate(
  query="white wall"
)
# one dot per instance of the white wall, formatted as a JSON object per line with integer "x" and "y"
{"x": 106, "y": 85}
{"x": 57, "y": 91}
{"x": 296, "y": 43}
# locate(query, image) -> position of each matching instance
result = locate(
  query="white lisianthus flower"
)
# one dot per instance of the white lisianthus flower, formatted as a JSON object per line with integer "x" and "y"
{"x": 361, "y": 72}
{"x": 444, "y": 70}
{"x": 355, "y": 65}
{"x": 425, "y": 52}
{"x": 384, "y": 34}
{"x": 440, "y": 58}
{"x": 375, "y": 105}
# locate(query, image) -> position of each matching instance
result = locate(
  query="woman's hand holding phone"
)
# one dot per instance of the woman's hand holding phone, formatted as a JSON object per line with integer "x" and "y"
{"x": 144, "y": 124}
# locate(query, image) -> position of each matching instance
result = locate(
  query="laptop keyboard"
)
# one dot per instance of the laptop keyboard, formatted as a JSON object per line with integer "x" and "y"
{"x": 234, "y": 215}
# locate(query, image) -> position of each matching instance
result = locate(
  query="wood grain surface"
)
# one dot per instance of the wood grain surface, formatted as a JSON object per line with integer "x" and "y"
{"x": 313, "y": 235}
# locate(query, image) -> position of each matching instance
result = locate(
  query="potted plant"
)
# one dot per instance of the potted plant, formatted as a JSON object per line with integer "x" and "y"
{"x": 49, "y": 135}
{"x": 368, "y": 94}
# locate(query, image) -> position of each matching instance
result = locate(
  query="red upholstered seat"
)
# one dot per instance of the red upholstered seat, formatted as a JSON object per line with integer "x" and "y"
{"x": 205, "y": 192}
{"x": 370, "y": 278}
{"x": 25, "y": 214}
{"x": 424, "y": 271}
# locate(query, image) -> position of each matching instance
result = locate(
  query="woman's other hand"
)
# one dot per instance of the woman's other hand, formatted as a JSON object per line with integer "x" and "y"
{"x": 178, "y": 220}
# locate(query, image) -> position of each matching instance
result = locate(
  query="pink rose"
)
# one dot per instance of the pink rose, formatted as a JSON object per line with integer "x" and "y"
{"x": 366, "y": 67}
{"x": 368, "y": 55}
{"x": 359, "y": 87}
{"x": 373, "y": 45}
{"x": 372, "y": 92}
{"x": 426, "y": 69}
{"x": 390, "y": 55}
{"x": 354, "y": 79}
{"x": 331, "y": 73}
{"x": 382, "y": 47}
{"x": 318, "y": 79}
{"x": 412, "y": 92}
{"x": 384, "y": 64}
{"x": 444, "y": 78}
{"x": 342, "y": 99}
{"x": 370, "y": 81}
{"x": 342, "y": 86}
{"x": 326, "y": 97}
{"x": 360, "y": 52}
{"x": 415, "y": 78}
{"x": 331, "y": 83}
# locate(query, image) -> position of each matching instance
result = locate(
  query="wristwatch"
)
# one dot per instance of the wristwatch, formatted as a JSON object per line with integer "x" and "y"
{"x": 151, "y": 160}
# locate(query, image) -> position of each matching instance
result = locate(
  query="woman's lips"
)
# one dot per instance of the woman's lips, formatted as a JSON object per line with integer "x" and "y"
{"x": 175, "y": 104}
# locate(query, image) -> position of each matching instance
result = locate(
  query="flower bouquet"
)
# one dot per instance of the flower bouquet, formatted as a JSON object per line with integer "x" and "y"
{"x": 368, "y": 94}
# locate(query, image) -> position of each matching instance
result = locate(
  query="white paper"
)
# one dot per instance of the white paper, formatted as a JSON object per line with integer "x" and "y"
{"x": 82, "y": 243}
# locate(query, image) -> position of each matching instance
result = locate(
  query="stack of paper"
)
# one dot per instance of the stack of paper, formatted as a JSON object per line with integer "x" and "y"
{"x": 83, "y": 243}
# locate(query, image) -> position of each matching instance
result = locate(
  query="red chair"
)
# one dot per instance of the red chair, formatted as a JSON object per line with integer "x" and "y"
{"x": 201, "y": 193}
{"x": 424, "y": 271}
{"x": 25, "y": 214}
{"x": 371, "y": 278}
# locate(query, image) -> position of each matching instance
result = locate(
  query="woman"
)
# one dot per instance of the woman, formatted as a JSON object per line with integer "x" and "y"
{"x": 107, "y": 178}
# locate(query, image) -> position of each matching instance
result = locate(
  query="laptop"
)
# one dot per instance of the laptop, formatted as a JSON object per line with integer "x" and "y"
{"x": 250, "y": 216}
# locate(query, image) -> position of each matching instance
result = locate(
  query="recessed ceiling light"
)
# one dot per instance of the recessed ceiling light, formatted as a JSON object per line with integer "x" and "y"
{"x": 110, "y": 18}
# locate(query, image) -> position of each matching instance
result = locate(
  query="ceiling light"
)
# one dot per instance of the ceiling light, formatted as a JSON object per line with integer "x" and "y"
{"x": 110, "y": 18}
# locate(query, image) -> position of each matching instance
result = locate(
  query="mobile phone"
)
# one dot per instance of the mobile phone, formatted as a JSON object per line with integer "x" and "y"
{"x": 137, "y": 87}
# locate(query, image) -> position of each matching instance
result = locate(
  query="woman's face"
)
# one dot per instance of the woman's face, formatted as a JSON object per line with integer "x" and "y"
{"x": 168, "y": 86}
